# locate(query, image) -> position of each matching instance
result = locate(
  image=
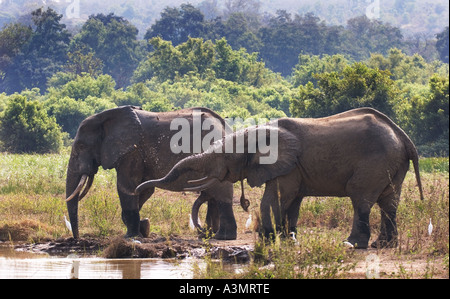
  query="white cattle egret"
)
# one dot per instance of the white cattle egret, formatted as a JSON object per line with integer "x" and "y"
{"x": 430, "y": 228}
{"x": 248, "y": 223}
{"x": 292, "y": 234}
{"x": 68, "y": 225}
{"x": 74, "y": 271}
{"x": 191, "y": 223}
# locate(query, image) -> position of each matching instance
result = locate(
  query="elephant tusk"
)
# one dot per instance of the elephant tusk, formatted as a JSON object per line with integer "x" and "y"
{"x": 79, "y": 187}
{"x": 204, "y": 186}
{"x": 198, "y": 181}
{"x": 87, "y": 188}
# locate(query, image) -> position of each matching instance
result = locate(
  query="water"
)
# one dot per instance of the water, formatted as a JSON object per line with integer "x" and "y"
{"x": 24, "y": 265}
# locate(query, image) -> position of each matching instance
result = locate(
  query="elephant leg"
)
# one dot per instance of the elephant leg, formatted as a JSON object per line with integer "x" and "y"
{"x": 292, "y": 214}
{"x": 129, "y": 175}
{"x": 144, "y": 224}
{"x": 360, "y": 234}
{"x": 270, "y": 195}
{"x": 222, "y": 205}
{"x": 388, "y": 230}
{"x": 228, "y": 228}
{"x": 388, "y": 203}
{"x": 213, "y": 216}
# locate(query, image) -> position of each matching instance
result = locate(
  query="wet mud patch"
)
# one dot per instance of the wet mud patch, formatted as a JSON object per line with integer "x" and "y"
{"x": 155, "y": 246}
{"x": 65, "y": 246}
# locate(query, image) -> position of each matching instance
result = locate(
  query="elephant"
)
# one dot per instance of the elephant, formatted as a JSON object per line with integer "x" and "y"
{"x": 138, "y": 144}
{"x": 360, "y": 153}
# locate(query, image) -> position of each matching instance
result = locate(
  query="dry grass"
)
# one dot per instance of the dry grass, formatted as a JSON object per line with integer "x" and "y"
{"x": 32, "y": 207}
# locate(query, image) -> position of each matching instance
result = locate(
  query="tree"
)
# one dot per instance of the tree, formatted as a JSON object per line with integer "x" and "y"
{"x": 42, "y": 56}
{"x": 356, "y": 86}
{"x": 286, "y": 37}
{"x": 365, "y": 36}
{"x": 201, "y": 58}
{"x": 26, "y": 128}
{"x": 114, "y": 41}
{"x": 12, "y": 38}
{"x": 424, "y": 113}
{"x": 72, "y": 101}
{"x": 178, "y": 24}
{"x": 442, "y": 44}
{"x": 83, "y": 61}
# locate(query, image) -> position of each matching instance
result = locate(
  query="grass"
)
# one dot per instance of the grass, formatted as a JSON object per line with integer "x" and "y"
{"x": 32, "y": 208}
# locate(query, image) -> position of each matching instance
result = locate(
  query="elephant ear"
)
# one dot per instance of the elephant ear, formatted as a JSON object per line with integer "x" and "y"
{"x": 122, "y": 133}
{"x": 279, "y": 161}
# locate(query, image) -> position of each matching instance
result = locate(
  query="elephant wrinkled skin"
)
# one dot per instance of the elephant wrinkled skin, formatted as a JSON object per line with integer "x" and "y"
{"x": 137, "y": 144}
{"x": 360, "y": 153}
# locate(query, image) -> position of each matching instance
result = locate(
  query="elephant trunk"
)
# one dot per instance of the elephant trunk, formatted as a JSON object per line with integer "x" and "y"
{"x": 195, "y": 208}
{"x": 72, "y": 205}
{"x": 179, "y": 178}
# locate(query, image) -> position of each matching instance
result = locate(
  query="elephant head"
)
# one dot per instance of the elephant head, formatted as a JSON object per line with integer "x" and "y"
{"x": 258, "y": 153}
{"x": 101, "y": 140}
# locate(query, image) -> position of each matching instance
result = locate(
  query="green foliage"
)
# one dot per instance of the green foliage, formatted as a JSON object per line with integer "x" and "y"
{"x": 193, "y": 61}
{"x": 177, "y": 25}
{"x": 114, "y": 42}
{"x": 442, "y": 45}
{"x": 204, "y": 59}
{"x": 72, "y": 101}
{"x": 26, "y": 128}
{"x": 425, "y": 116}
{"x": 310, "y": 65}
{"x": 355, "y": 86}
{"x": 40, "y": 53}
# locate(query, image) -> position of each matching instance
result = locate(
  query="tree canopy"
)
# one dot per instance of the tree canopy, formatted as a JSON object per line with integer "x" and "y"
{"x": 240, "y": 63}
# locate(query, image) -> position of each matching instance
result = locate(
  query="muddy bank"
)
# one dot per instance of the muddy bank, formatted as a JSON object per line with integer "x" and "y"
{"x": 155, "y": 246}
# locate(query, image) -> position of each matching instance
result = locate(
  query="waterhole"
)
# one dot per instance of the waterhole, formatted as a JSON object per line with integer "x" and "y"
{"x": 14, "y": 264}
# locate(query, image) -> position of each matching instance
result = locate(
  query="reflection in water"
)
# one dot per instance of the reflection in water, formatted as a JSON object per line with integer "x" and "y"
{"x": 25, "y": 265}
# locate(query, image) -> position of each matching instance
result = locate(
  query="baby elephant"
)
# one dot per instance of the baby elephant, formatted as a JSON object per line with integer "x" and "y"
{"x": 360, "y": 153}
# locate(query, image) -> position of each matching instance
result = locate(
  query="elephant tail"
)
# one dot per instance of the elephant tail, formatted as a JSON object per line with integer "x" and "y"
{"x": 245, "y": 203}
{"x": 414, "y": 156}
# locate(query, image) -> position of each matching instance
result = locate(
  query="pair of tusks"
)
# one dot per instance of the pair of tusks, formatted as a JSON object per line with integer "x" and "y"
{"x": 84, "y": 177}
{"x": 207, "y": 181}
{"x": 245, "y": 203}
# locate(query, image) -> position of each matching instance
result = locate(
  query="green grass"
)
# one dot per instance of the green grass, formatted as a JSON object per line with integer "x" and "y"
{"x": 434, "y": 165}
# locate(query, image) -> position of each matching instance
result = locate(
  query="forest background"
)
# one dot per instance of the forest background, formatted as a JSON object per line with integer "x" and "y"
{"x": 61, "y": 61}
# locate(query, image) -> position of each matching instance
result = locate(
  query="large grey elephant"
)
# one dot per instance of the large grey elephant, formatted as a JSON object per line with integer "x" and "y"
{"x": 138, "y": 145}
{"x": 360, "y": 153}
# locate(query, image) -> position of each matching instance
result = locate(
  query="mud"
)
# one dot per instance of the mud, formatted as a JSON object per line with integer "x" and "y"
{"x": 155, "y": 246}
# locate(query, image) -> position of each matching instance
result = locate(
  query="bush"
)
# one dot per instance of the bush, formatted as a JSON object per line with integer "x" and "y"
{"x": 25, "y": 127}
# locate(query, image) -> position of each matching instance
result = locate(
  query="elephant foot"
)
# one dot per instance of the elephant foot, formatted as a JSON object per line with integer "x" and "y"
{"x": 220, "y": 235}
{"x": 225, "y": 236}
{"x": 144, "y": 227}
{"x": 381, "y": 243}
{"x": 357, "y": 244}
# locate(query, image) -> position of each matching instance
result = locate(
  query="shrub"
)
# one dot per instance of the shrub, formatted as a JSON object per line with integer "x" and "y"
{"x": 25, "y": 127}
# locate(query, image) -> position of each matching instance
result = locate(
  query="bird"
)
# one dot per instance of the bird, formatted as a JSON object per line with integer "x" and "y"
{"x": 292, "y": 234}
{"x": 248, "y": 223}
{"x": 191, "y": 223}
{"x": 430, "y": 228}
{"x": 68, "y": 225}
{"x": 74, "y": 271}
